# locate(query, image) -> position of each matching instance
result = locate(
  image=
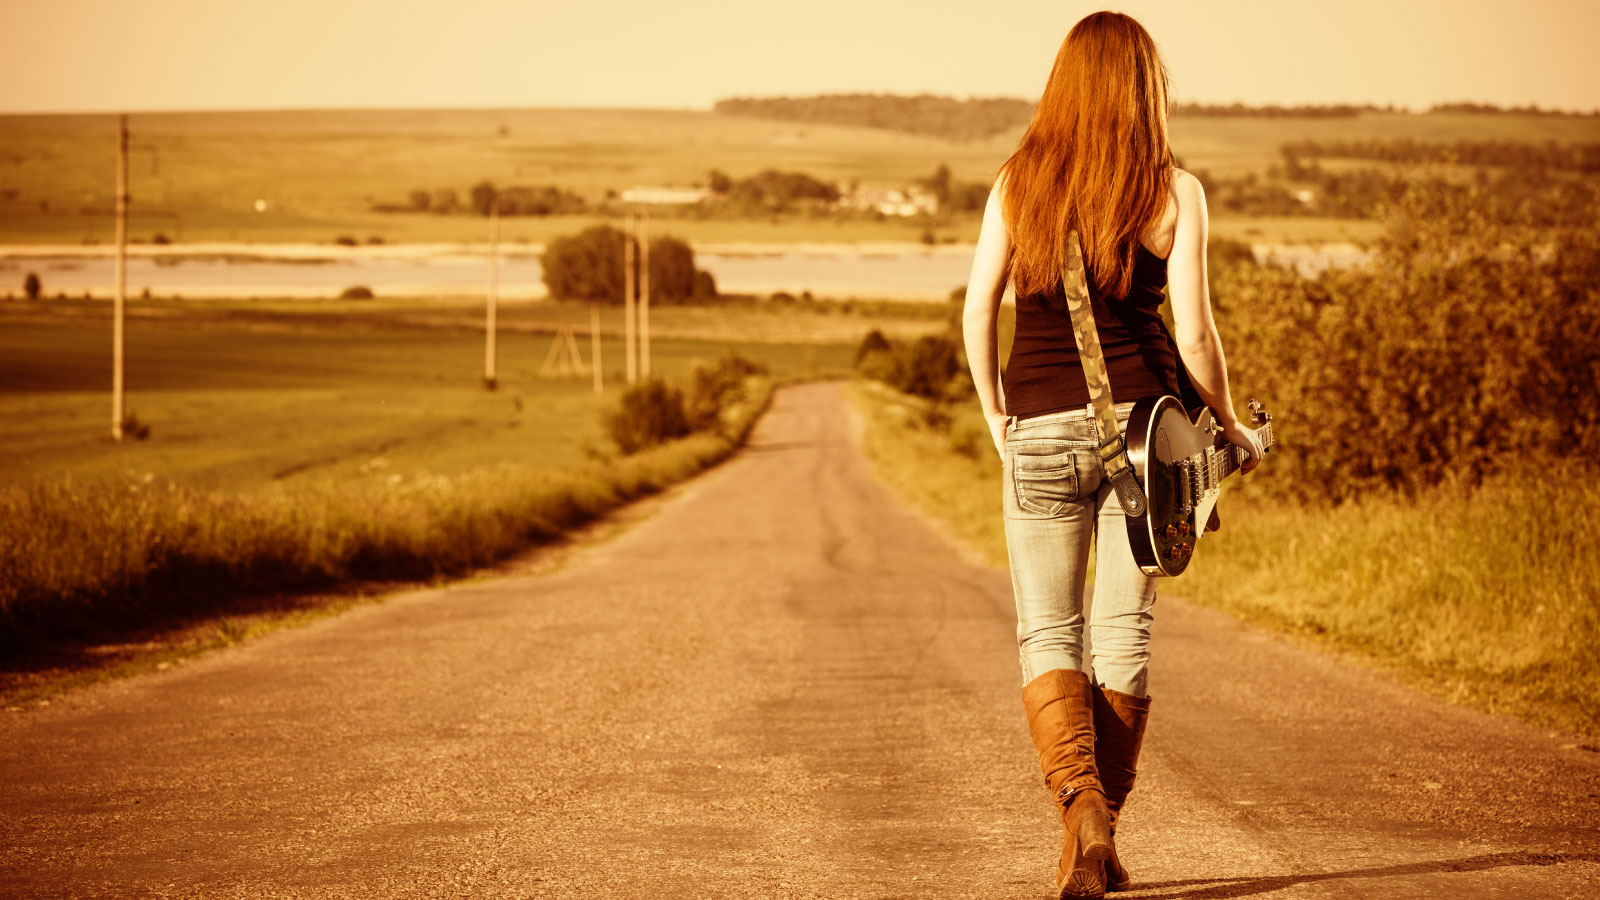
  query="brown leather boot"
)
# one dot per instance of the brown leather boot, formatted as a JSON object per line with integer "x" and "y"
{"x": 1119, "y": 730}
{"x": 1060, "y": 707}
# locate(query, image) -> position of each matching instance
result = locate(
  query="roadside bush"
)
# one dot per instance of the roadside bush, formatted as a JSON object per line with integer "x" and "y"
{"x": 712, "y": 388}
{"x": 31, "y": 286}
{"x": 930, "y": 366}
{"x": 1464, "y": 346}
{"x": 356, "y": 292}
{"x": 874, "y": 342}
{"x": 104, "y": 555}
{"x": 649, "y": 414}
{"x": 656, "y": 411}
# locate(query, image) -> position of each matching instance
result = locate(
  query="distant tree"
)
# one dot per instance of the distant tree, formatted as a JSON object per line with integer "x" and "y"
{"x": 672, "y": 270}
{"x": 445, "y": 201}
{"x": 968, "y": 196}
{"x": 705, "y": 286}
{"x": 421, "y": 200}
{"x": 718, "y": 181}
{"x": 585, "y": 266}
{"x": 31, "y": 286}
{"x": 940, "y": 184}
{"x": 483, "y": 194}
{"x": 773, "y": 189}
{"x": 588, "y": 266}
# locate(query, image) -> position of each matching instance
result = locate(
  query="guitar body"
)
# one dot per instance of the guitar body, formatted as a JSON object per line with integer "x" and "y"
{"x": 1160, "y": 436}
{"x": 1163, "y": 445}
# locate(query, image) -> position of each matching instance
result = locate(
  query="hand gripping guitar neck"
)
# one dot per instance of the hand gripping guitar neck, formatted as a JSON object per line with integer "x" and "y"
{"x": 1113, "y": 448}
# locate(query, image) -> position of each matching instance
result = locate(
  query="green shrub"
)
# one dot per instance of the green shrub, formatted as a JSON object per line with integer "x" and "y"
{"x": 874, "y": 342}
{"x": 656, "y": 411}
{"x": 930, "y": 366}
{"x": 1463, "y": 346}
{"x": 649, "y": 414}
{"x": 713, "y": 388}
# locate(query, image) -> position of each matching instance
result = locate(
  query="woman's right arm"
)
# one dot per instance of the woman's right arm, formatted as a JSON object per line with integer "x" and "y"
{"x": 1194, "y": 329}
{"x": 986, "y": 284}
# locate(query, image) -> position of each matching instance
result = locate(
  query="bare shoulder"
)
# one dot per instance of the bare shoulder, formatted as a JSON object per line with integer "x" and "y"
{"x": 1187, "y": 192}
{"x": 1159, "y": 238}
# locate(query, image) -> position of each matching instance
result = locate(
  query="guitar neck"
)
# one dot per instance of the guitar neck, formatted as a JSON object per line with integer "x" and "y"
{"x": 1226, "y": 460}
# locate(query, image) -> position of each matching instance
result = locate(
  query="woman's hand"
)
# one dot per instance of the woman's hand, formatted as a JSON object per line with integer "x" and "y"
{"x": 997, "y": 431}
{"x": 1240, "y": 435}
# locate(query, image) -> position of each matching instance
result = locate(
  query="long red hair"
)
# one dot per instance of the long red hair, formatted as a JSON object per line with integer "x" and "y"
{"x": 1095, "y": 158}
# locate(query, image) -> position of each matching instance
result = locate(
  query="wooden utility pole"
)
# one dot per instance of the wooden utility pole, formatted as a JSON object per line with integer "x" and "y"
{"x": 594, "y": 347}
{"x": 628, "y": 324}
{"x": 121, "y": 297}
{"x": 644, "y": 300}
{"x": 494, "y": 292}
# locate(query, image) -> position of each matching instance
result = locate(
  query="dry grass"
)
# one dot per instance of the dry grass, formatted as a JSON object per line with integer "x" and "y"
{"x": 108, "y": 554}
{"x": 1481, "y": 595}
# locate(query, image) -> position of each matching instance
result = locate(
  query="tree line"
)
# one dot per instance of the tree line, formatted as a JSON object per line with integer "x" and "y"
{"x": 479, "y": 200}
{"x": 928, "y": 114}
{"x": 1536, "y": 196}
{"x": 984, "y": 117}
{"x": 1578, "y": 157}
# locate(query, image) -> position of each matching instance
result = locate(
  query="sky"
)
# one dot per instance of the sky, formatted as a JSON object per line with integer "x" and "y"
{"x": 148, "y": 55}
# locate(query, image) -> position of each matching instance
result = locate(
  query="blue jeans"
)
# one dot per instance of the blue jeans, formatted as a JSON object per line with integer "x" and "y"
{"x": 1056, "y": 500}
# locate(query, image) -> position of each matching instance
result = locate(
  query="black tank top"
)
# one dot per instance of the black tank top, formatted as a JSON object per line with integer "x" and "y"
{"x": 1043, "y": 374}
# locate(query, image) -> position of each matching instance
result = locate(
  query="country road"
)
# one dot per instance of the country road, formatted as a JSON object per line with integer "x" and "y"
{"x": 779, "y": 684}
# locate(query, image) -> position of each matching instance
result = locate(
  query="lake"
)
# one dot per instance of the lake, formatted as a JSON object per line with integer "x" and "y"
{"x": 440, "y": 270}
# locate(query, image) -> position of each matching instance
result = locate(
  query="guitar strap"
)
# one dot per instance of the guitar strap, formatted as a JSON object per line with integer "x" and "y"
{"x": 1113, "y": 446}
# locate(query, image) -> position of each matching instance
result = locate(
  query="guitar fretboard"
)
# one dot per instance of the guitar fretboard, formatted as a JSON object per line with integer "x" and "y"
{"x": 1220, "y": 462}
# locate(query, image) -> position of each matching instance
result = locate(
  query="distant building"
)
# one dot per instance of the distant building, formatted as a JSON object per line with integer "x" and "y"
{"x": 888, "y": 201}
{"x": 665, "y": 195}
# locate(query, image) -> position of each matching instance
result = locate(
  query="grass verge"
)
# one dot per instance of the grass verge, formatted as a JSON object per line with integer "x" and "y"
{"x": 100, "y": 558}
{"x": 1481, "y": 595}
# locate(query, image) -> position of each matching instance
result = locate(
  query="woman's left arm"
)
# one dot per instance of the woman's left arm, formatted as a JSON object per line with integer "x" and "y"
{"x": 986, "y": 284}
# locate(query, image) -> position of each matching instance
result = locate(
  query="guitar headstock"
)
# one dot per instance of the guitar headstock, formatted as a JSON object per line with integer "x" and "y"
{"x": 1261, "y": 419}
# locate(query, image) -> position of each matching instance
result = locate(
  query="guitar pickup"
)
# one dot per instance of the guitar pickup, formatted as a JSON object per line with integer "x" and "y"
{"x": 1188, "y": 486}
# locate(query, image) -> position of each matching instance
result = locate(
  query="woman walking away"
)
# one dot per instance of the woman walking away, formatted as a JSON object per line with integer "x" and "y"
{"x": 1094, "y": 160}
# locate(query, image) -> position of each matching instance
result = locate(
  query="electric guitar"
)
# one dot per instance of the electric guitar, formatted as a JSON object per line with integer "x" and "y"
{"x": 1180, "y": 465}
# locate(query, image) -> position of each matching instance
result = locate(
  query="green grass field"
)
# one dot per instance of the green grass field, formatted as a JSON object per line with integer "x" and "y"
{"x": 1482, "y": 596}
{"x": 197, "y": 176}
{"x": 235, "y": 394}
{"x": 294, "y": 448}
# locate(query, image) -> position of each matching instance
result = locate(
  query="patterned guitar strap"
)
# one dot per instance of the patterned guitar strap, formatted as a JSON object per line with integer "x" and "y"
{"x": 1113, "y": 447}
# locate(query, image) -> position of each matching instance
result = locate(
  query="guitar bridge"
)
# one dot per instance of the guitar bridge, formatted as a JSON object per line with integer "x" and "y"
{"x": 1188, "y": 487}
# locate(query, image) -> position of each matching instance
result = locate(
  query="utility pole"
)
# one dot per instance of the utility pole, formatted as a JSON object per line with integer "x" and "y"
{"x": 628, "y": 324}
{"x": 594, "y": 347}
{"x": 121, "y": 297}
{"x": 494, "y": 291}
{"x": 644, "y": 300}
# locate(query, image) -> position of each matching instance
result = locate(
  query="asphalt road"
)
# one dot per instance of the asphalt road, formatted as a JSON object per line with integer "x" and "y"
{"x": 779, "y": 684}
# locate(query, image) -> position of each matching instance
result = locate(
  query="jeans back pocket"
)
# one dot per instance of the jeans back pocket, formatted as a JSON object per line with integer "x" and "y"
{"x": 1044, "y": 475}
